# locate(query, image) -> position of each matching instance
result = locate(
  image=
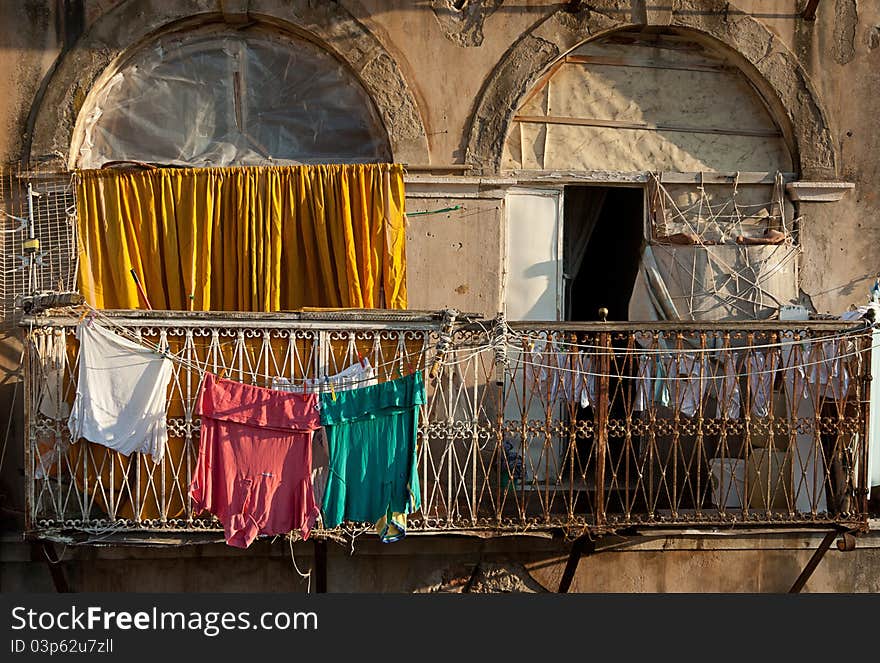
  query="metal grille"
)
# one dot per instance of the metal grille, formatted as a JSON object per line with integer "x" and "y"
{"x": 41, "y": 207}
{"x": 527, "y": 427}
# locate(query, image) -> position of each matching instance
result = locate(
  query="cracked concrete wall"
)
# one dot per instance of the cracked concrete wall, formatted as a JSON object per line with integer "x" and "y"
{"x": 839, "y": 239}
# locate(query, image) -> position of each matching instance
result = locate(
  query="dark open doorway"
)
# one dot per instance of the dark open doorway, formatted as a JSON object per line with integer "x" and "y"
{"x": 603, "y": 231}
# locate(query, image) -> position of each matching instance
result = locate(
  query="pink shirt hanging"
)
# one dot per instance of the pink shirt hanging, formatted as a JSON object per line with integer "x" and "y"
{"x": 255, "y": 459}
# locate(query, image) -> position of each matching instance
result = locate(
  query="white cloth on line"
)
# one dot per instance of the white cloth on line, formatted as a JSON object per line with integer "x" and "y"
{"x": 680, "y": 381}
{"x": 556, "y": 374}
{"x": 361, "y": 374}
{"x": 762, "y": 367}
{"x": 726, "y": 389}
{"x": 121, "y": 394}
{"x": 690, "y": 383}
{"x": 51, "y": 350}
{"x": 651, "y": 390}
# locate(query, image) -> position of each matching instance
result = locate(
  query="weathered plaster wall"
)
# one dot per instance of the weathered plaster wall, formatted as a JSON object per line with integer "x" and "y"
{"x": 760, "y": 563}
{"x": 440, "y": 247}
{"x": 29, "y": 44}
{"x": 841, "y": 54}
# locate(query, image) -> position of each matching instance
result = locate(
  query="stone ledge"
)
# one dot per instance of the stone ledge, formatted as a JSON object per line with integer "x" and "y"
{"x": 818, "y": 192}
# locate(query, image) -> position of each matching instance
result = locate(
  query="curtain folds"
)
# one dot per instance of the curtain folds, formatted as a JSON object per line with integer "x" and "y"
{"x": 244, "y": 239}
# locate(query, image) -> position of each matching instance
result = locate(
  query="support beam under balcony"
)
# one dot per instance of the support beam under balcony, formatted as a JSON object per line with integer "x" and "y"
{"x": 813, "y": 563}
{"x": 320, "y": 566}
{"x": 582, "y": 546}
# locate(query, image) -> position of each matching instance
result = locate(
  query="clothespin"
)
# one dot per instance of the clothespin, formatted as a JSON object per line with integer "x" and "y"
{"x": 361, "y": 359}
{"x": 222, "y": 373}
{"x": 329, "y": 383}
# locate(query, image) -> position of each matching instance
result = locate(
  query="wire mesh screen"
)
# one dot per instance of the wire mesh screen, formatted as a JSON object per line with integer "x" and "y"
{"x": 38, "y": 235}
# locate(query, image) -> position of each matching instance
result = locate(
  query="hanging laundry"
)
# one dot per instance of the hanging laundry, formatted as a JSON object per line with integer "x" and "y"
{"x": 762, "y": 368}
{"x": 727, "y": 387}
{"x": 679, "y": 380}
{"x": 690, "y": 373}
{"x": 562, "y": 374}
{"x": 816, "y": 370}
{"x": 51, "y": 350}
{"x": 652, "y": 388}
{"x": 361, "y": 374}
{"x": 121, "y": 394}
{"x": 829, "y": 370}
{"x": 808, "y": 464}
{"x": 371, "y": 435}
{"x": 357, "y": 375}
{"x": 255, "y": 458}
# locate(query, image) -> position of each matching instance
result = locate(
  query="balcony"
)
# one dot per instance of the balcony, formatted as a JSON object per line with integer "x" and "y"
{"x": 529, "y": 427}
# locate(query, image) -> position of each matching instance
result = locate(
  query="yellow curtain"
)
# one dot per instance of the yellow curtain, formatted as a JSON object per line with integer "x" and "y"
{"x": 244, "y": 239}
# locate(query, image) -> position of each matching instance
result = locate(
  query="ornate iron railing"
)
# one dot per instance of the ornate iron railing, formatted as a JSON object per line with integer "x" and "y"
{"x": 528, "y": 426}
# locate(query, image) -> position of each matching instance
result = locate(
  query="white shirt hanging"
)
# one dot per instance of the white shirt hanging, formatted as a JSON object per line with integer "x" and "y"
{"x": 121, "y": 394}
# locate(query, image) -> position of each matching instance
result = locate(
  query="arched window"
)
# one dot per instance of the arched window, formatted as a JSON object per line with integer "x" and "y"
{"x": 645, "y": 100}
{"x": 706, "y": 235}
{"x": 218, "y": 97}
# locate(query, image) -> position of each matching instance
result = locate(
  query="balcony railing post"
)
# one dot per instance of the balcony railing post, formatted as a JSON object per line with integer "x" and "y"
{"x": 30, "y": 438}
{"x": 864, "y": 402}
{"x": 602, "y": 423}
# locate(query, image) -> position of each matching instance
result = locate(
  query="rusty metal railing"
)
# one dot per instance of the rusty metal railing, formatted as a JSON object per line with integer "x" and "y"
{"x": 528, "y": 426}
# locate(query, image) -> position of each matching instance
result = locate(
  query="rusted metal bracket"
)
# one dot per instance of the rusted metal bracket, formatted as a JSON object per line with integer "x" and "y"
{"x": 583, "y": 545}
{"x": 846, "y": 544}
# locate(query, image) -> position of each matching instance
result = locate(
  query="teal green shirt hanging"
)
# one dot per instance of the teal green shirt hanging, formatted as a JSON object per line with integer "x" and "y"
{"x": 371, "y": 439}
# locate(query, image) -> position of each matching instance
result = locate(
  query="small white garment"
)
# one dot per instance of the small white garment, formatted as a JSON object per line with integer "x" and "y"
{"x": 727, "y": 388}
{"x": 762, "y": 367}
{"x": 652, "y": 387}
{"x": 816, "y": 370}
{"x": 361, "y": 374}
{"x": 681, "y": 381}
{"x": 569, "y": 375}
{"x": 829, "y": 371}
{"x": 689, "y": 383}
{"x": 121, "y": 394}
{"x": 51, "y": 350}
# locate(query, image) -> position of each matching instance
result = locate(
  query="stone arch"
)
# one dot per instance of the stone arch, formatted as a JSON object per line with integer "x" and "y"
{"x": 761, "y": 56}
{"x": 133, "y": 23}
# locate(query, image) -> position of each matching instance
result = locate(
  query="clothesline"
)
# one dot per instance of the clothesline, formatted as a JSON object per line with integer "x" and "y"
{"x": 402, "y": 359}
{"x": 616, "y": 352}
{"x": 201, "y": 368}
{"x": 773, "y": 371}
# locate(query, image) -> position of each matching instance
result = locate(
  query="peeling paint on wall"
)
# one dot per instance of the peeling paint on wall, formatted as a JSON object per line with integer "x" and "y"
{"x": 462, "y": 20}
{"x": 846, "y": 17}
